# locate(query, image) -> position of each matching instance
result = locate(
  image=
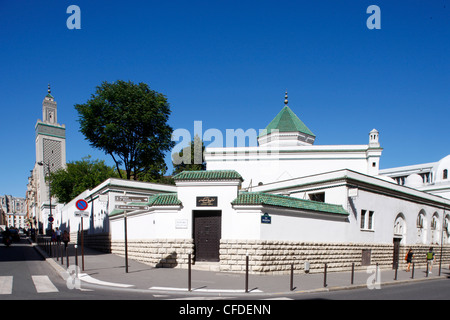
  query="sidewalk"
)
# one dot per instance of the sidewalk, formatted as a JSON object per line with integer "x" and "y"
{"x": 109, "y": 270}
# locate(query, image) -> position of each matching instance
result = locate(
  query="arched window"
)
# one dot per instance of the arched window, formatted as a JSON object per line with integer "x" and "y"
{"x": 422, "y": 226}
{"x": 435, "y": 229}
{"x": 400, "y": 225}
{"x": 421, "y": 220}
{"x": 446, "y": 229}
{"x": 445, "y": 174}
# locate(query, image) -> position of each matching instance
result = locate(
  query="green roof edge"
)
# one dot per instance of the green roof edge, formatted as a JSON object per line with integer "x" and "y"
{"x": 260, "y": 198}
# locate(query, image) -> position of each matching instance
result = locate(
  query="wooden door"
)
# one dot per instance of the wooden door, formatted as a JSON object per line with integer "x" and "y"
{"x": 207, "y": 234}
{"x": 396, "y": 252}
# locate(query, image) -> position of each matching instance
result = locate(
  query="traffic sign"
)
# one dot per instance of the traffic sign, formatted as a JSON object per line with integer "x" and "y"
{"x": 81, "y": 204}
{"x": 130, "y": 207}
{"x": 83, "y": 214}
{"x": 50, "y": 219}
{"x": 131, "y": 199}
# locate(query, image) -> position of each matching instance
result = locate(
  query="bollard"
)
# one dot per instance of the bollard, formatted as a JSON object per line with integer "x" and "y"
{"x": 412, "y": 275}
{"x": 246, "y": 273}
{"x": 76, "y": 255}
{"x": 189, "y": 273}
{"x": 57, "y": 251}
{"x": 427, "y": 268}
{"x": 292, "y": 277}
{"x": 353, "y": 272}
{"x": 67, "y": 256}
{"x": 376, "y": 274}
{"x": 396, "y": 271}
{"x": 325, "y": 276}
{"x": 62, "y": 254}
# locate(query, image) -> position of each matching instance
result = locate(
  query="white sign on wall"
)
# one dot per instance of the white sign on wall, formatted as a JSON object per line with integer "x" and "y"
{"x": 181, "y": 224}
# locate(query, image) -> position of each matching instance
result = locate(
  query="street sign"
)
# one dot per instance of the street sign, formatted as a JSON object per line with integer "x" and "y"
{"x": 131, "y": 199}
{"x": 50, "y": 219}
{"x": 266, "y": 219}
{"x": 131, "y": 207}
{"x": 83, "y": 214}
{"x": 81, "y": 204}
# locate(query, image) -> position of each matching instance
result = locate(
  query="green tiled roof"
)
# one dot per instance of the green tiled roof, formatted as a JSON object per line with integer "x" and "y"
{"x": 287, "y": 121}
{"x": 164, "y": 199}
{"x": 259, "y": 198}
{"x": 208, "y": 175}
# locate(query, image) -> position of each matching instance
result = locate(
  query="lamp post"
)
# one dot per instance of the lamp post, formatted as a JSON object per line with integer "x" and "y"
{"x": 50, "y": 217}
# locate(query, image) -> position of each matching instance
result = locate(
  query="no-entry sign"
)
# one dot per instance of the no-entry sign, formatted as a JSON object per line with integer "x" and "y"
{"x": 81, "y": 204}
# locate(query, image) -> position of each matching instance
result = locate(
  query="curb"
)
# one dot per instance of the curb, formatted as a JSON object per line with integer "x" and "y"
{"x": 64, "y": 275}
{"x": 59, "y": 269}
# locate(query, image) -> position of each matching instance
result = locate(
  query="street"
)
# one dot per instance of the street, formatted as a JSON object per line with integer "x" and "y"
{"x": 25, "y": 275}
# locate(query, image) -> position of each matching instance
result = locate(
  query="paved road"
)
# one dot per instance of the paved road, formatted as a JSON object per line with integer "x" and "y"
{"x": 24, "y": 274}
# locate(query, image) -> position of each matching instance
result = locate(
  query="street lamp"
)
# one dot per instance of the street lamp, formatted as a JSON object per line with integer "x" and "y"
{"x": 50, "y": 217}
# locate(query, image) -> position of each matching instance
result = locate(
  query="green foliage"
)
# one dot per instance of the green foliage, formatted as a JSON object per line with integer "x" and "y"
{"x": 79, "y": 176}
{"x": 129, "y": 122}
{"x": 190, "y": 158}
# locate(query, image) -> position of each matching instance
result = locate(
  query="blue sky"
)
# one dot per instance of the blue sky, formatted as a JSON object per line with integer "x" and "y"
{"x": 227, "y": 64}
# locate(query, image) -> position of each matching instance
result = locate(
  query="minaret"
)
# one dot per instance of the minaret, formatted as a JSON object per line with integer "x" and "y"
{"x": 373, "y": 153}
{"x": 50, "y": 154}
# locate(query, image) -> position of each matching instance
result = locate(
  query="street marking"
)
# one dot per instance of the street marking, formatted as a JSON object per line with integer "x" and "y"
{"x": 43, "y": 284}
{"x": 6, "y": 283}
{"x": 203, "y": 298}
{"x": 86, "y": 278}
{"x": 281, "y": 298}
{"x": 204, "y": 290}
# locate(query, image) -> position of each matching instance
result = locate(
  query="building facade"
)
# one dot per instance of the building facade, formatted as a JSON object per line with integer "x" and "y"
{"x": 285, "y": 201}
{"x": 13, "y": 212}
{"x": 50, "y": 141}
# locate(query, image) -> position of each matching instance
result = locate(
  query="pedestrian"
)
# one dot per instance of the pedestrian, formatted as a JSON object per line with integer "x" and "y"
{"x": 58, "y": 236}
{"x": 431, "y": 257}
{"x": 408, "y": 258}
{"x": 65, "y": 238}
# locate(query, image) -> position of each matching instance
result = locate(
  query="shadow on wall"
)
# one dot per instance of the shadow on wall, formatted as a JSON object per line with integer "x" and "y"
{"x": 169, "y": 261}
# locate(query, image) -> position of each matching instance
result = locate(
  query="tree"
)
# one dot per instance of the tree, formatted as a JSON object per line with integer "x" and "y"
{"x": 129, "y": 122}
{"x": 79, "y": 176}
{"x": 190, "y": 158}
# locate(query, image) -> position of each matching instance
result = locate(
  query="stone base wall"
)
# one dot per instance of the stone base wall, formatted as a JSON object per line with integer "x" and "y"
{"x": 276, "y": 257}
{"x": 159, "y": 253}
{"x": 266, "y": 257}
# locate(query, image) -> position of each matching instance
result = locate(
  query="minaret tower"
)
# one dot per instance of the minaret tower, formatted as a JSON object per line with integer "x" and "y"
{"x": 373, "y": 153}
{"x": 50, "y": 154}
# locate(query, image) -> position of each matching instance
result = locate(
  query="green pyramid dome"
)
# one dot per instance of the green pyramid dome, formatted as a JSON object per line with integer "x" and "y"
{"x": 287, "y": 121}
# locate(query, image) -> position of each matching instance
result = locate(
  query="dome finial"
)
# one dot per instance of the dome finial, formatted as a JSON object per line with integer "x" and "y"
{"x": 49, "y": 90}
{"x": 286, "y": 98}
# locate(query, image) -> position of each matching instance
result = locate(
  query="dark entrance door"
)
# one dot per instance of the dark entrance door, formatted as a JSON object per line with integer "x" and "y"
{"x": 207, "y": 234}
{"x": 396, "y": 252}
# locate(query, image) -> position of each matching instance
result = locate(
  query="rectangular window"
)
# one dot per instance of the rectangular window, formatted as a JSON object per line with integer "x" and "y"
{"x": 363, "y": 219}
{"x": 370, "y": 226}
{"x": 320, "y": 196}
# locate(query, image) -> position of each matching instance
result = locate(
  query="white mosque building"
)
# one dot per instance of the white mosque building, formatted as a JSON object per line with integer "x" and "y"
{"x": 281, "y": 202}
